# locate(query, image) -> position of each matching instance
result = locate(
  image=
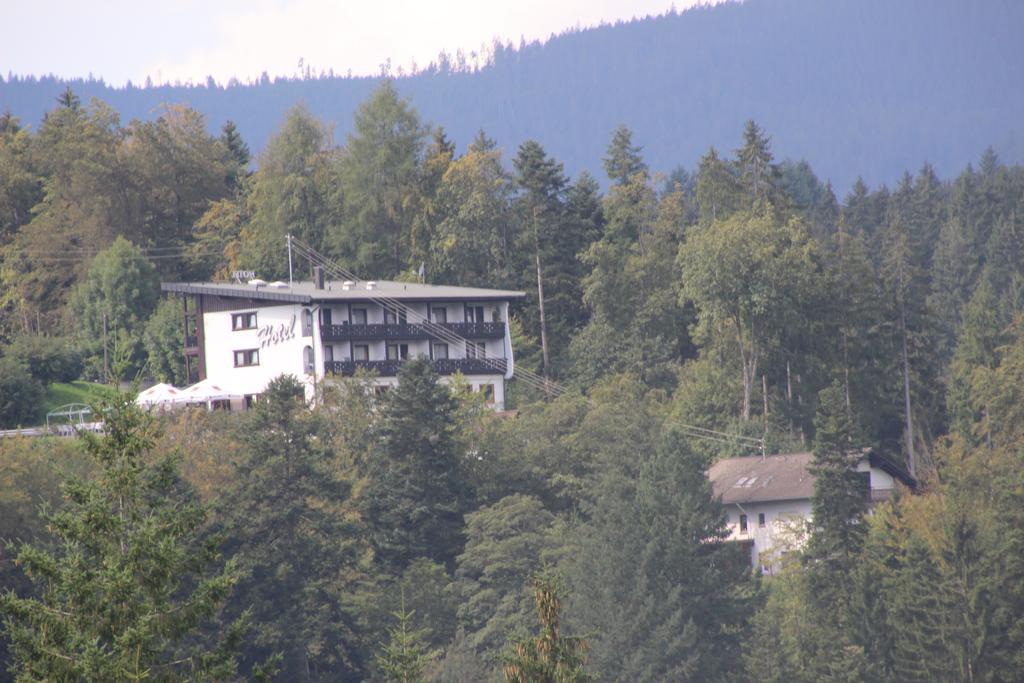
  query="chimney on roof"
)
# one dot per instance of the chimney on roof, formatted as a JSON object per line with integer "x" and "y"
{"x": 318, "y": 277}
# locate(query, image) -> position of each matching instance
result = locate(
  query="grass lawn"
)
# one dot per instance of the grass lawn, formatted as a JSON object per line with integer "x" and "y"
{"x": 60, "y": 393}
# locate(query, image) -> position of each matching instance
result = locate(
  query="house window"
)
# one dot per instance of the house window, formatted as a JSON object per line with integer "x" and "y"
{"x": 247, "y": 358}
{"x": 328, "y": 353}
{"x": 743, "y": 524}
{"x": 439, "y": 314}
{"x": 243, "y": 321}
{"x": 358, "y": 316}
{"x": 251, "y": 400}
{"x": 325, "y": 317}
{"x": 397, "y": 351}
{"x": 307, "y": 322}
{"x": 440, "y": 351}
{"x": 475, "y": 349}
{"x": 307, "y": 359}
{"x": 760, "y": 519}
{"x": 360, "y": 352}
{"x": 488, "y": 391}
{"x": 393, "y": 317}
{"x": 474, "y": 314}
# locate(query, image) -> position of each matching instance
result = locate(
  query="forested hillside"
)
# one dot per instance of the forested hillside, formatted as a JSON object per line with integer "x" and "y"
{"x": 396, "y": 537}
{"x": 864, "y": 88}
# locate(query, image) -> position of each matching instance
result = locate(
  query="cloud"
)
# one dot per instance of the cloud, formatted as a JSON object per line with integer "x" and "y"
{"x": 361, "y": 37}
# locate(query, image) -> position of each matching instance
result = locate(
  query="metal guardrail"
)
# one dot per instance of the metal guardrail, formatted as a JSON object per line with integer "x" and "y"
{"x": 408, "y": 331}
{"x": 443, "y": 366}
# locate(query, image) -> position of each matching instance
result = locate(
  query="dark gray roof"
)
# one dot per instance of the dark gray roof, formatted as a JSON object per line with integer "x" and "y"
{"x": 757, "y": 479}
{"x": 779, "y": 477}
{"x": 306, "y": 292}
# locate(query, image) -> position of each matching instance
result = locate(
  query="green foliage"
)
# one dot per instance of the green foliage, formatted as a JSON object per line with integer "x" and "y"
{"x": 163, "y": 343}
{"x": 112, "y": 304}
{"x": 20, "y": 394}
{"x": 291, "y": 193}
{"x": 284, "y": 520}
{"x": 504, "y": 543}
{"x": 380, "y": 182}
{"x": 416, "y": 490}
{"x": 127, "y": 585}
{"x": 663, "y": 593}
{"x": 49, "y": 359}
{"x": 551, "y": 657}
{"x": 403, "y": 659}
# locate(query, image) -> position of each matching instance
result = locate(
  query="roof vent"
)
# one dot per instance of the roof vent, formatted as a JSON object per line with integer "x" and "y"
{"x": 371, "y": 284}
{"x": 257, "y": 282}
{"x": 347, "y": 285}
{"x": 277, "y": 284}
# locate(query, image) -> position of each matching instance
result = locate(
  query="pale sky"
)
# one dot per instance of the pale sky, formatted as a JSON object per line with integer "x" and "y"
{"x": 120, "y": 40}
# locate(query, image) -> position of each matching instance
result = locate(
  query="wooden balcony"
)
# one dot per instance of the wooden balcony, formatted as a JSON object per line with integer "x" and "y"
{"x": 409, "y": 331}
{"x": 443, "y": 366}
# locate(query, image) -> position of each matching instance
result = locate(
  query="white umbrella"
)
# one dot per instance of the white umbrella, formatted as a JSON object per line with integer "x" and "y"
{"x": 159, "y": 395}
{"x": 205, "y": 392}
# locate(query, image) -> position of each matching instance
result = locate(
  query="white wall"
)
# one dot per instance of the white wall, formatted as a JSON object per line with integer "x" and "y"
{"x": 782, "y": 519}
{"x": 280, "y": 355}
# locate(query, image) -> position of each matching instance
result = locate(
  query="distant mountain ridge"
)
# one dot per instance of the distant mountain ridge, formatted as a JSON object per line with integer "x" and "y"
{"x": 855, "y": 87}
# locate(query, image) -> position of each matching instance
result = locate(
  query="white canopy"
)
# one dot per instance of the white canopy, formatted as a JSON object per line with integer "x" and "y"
{"x": 159, "y": 394}
{"x": 204, "y": 392}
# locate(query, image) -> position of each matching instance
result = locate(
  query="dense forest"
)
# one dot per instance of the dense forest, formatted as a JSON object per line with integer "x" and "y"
{"x": 419, "y": 536}
{"x": 857, "y": 87}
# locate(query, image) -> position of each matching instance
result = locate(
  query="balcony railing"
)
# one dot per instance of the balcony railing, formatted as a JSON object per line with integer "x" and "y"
{"x": 409, "y": 331}
{"x": 443, "y": 366}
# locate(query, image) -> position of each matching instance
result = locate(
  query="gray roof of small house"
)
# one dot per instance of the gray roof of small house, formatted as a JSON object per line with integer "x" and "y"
{"x": 787, "y": 476}
{"x": 306, "y": 292}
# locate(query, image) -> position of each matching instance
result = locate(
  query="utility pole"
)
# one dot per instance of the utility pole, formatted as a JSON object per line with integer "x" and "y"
{"x": 106, "y": 362}
{"x": 289, "y": 259}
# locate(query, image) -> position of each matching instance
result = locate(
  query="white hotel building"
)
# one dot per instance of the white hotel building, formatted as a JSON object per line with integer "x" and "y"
{"x": 240, "y": 336}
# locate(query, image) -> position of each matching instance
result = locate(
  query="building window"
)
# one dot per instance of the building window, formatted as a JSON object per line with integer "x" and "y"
{"x": 397, "y": 351}
{"x": 358, "y": 316}
{"x": 328, "y": 353}
{"x": 247, "y": 358}
{"x": 221, "y": 404}
{"x": 760, "y": 519}
{"x": 243, "y": 321}
{"x": 474, "y": 314}
{"x": 488, "y": 391}
{"x": 360, "y": 352}
{"x": 307, "y": 359}
{"x": 325, "y": 316}
{"x": 440, "y": 350}
{"x": 251, "y": 400}
{"x": 307, "y": 322}
{"x": 393, "y": 317}
{"x": 439, "y": 314}
{"x": 475, "y": 349}
{"x": 743, "y": 524}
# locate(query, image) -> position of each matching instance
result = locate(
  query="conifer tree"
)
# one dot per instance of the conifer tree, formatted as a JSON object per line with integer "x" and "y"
{"x": 622, "y": 159}
{"x": 416, "y": 491}
{"x": 551, "y": 657}
{"x": 404, "y": 658}
{"x": 284, "y": 518}
{"x": 838, "y": 505}
{"x": 127, "y": 586}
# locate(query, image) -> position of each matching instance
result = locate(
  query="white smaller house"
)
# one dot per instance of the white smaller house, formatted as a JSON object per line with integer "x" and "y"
{"x": 768, "y": 499}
